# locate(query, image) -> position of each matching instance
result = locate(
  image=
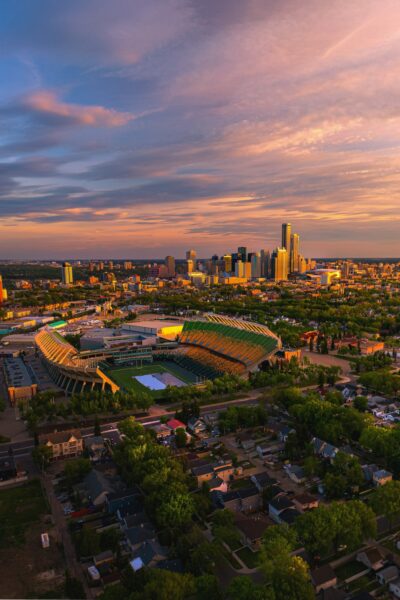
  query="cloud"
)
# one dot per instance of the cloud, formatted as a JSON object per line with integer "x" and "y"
{"x": 45, "y": 106}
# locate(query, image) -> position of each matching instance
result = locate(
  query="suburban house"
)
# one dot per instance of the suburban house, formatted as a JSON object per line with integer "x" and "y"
{"x": 289, "y": 515}
{"x": 196, "y": 426}
{"x": 277, "y": 505}
{"x": 150, "y": 553}
{"x": 96, "y": 448}
{"x": 305, "y": 502}
{"x": 250, "y": 499}
{"x": 387, "y": 574}
{"x": 175, "y": 424}
{"x": 252, "y": 530}
{"x": 63, "y": 444}
{"x": 381, "y": 477}
{"x": 245, "y": 441}
{"x": 394, "y": 587}
{"x": 136, "y": 536}
{"x": 162, "y": 431}
{"x": 262, "y": 480}
{"x": 323, "y": 578}
{"x": 295, "y": 473}
{"x": 284, "y": 433}
{"x": 130, "y": 498}
{"x": 324, "y": 449}
{"x": 96, "y": 486}
{"x": 371, "y": 558}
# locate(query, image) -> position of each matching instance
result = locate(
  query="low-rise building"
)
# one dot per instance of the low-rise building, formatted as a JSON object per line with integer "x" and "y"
{"x": 323, "y": 578}
{"x": 63, "y": 444}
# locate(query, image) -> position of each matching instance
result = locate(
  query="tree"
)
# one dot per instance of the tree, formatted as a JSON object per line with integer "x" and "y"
{"x": 76, "y": 469}
{"x": 207, "y": 586}
{"x": 360, "y": 403}
{"x": 180, "y": 437}
{"x": 42, "y": 456}
{"x": 243, "y": 588}
{"x": 176, "y": 511}
{"x": 386, "y": 500}
{"x": 288, "y": 574}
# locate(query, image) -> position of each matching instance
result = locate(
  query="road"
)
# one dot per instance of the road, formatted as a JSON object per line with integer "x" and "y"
{"x": 73, "y": 566}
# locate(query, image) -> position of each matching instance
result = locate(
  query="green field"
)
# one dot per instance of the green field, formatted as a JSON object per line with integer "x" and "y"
{"x": 19, "y": 507}
{"x": 124, "y": 376}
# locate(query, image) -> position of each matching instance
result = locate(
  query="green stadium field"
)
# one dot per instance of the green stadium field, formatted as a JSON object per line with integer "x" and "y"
{"x": 125, "y": 376}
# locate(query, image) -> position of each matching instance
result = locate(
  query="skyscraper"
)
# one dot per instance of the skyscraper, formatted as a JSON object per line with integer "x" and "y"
{"x": 242, "y": 253}
{"x": 1, "y": 289}
{"x": 227, "y": 259}
{"x": 294, "y": 252}
{"x": 280, "y": 265}
{"x": 191, "y": 255}
{"x": 170, "y": 264}
{"x": 66, "y": 274}
{"x": 255, "y": 265}
{"x": 189, "y": 265}
{"x": 286, "y": 233}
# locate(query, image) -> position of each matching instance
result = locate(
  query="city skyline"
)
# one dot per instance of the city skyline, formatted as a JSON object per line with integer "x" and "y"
{"x": 143, "y": 129}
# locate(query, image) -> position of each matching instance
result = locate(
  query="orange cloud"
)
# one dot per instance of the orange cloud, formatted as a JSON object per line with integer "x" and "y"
{"x": 46, "y": 102}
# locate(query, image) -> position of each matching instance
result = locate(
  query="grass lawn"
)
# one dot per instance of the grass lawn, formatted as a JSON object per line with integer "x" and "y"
{"x": 19, "y": 507}
{"x": 125, "y": 376}
{"x": 250, "y": 558}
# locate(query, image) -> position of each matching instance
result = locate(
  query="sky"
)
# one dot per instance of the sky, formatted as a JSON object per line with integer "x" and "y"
{"x": 142, "y": 128}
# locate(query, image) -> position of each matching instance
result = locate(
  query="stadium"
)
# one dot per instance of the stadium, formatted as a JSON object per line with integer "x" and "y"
{"x": 199, "y": 350}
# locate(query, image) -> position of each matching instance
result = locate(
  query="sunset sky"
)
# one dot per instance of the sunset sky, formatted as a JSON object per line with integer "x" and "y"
{"x": 140, "y": 128}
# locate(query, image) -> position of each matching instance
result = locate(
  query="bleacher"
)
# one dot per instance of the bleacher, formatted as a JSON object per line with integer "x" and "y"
{"x": 240, "y": 343}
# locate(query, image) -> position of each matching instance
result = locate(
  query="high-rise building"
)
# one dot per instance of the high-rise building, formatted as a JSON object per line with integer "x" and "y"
{"x": 1, "y": 289}
{"x": 255, "y": 265}
{"x": 127, "y": 265}
{"x": 191, "y": 255}
{"x": 100, "y": 266}
{"x": 189, "y": 266}
{"x": 294, "y": 252}
{"x": 66, "y": 274}
{"x": 227, "y": 259}
{"x": 242, "y": 253}
{"x": 280, "y": 264}
{"x": 91, "y": 267}
{"x": 170, "y": 264}
{"x": 286, "y": 235}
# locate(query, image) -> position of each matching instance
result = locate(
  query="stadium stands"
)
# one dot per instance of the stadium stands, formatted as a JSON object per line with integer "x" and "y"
{"x": 232, "y": 340}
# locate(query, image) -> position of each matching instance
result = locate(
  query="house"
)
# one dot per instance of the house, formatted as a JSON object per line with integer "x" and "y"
{"x": 63, "y": 444}
{"x": 196, "y": 426}
{"x": 216, "y": 483}
{"x": 372, "y": 558}
{"x": 252, "y": 530}
{"x": 136, "y": 536}
{"x": 162, "y": 431}
{"x": 324, "y": 449}
{"x": 175, "y": 424}
{"x": 323, "y": 578}
{"x": 224, "y": 471}
{"x": 250, "y": 499}
{"x": 138, "y": 519}
{"x": 245, "y": 441}
{"x": 150, "y": 553}
{"x": 230, "y": 500}
{"x": 289, "y": 515}
{"x": 305, "y": 502}
{"x": 284, "y": 433}
{"x": 368, "y": 472}
{"x": 295, "y": 473}
{"x": 203, "y": 473}
{"x": 381, "y": 477}
{"x": 131, "y": 498}
{"x": 95, "y": 446}
{"x": 95, "y": 487}
{"x": 387, "y": 574}
{"x": 278, "y": 505}
{"x": 333, "y": 594}
{"x": 104, "y": 558}
{"x": 394, "y": 587}
{"x": 262, "y": 480}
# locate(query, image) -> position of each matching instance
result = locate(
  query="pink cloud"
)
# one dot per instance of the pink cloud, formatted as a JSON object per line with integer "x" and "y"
{"x": 47, "y": 103}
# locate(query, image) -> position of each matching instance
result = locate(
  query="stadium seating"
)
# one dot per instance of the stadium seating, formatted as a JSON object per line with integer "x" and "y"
{"x": 244, "y": 343}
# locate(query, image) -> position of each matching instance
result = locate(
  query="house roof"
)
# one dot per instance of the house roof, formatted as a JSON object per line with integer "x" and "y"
{"x": 253, "y": 529}
{"x": 202, "y": 470}
{"x": 322, "y": 575}
{"x": 129, "y": 493}
{"x": 382, "y": 474}
{"x": 289, "y": 515}
{"x": 263, "y": 479}
{"x": 388, "y": 573}
{"x": 304, "y": 498}
{"x": 60, "y": 437}
{"x": 149, "y": 550}
{"x": 252, "y": 490}
{"x": 333, "y": 594}
{"x": 137, "y": 535}
{"x": 281, "y": 503}
{"x": 175, "y": 424}
{"x": 374, "y": 555}
{"x": 96, "y": 483}
{"x": 228, "y": 496}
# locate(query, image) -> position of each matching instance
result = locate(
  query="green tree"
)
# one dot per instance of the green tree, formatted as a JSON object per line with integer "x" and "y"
{"x": 243, "y": 588}
{"x": 386, "y": 500}
{"x": 42, "y": 456}
{"x": 76, "y": 469}
{"x": 180, "y": 437}
{"x": 360, "y": 403}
